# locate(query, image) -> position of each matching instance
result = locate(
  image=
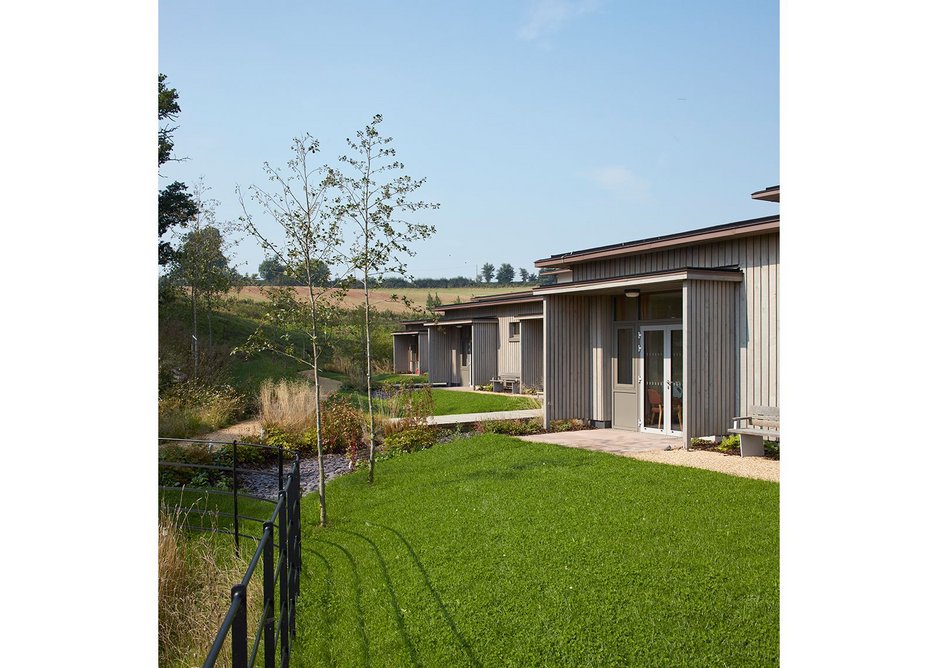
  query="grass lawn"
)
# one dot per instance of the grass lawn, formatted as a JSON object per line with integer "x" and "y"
{"x": 494, "y": 551}
{"x": 450, "y": 402}
{"x": 380, "y": 378}
{"x": 453, "y": 402}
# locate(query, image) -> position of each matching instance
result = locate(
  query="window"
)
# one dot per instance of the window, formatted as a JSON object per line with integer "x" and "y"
{"x": 514, "y": 331}
{"x": 624, "y": 356}
{"x": 662, "y": 306}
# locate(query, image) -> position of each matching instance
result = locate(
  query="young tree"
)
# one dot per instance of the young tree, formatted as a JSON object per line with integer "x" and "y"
{"x": 506, "y": 274}
{"x": 373, "y": 195}
{"x": 200, "y": 264}
{"x": 524, "y": 275}
{"x": 176, "y": 208}
{"x": 310, "y": 239}
{"x": 488, "y": 271}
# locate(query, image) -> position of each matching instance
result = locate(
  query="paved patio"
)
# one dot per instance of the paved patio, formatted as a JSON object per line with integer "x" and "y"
{"x": 614, "y": 441}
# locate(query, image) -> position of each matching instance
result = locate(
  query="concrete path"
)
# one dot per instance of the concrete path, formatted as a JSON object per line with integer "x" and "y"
{"x": 469, "y": 418}
{"x": 614, "y": 441}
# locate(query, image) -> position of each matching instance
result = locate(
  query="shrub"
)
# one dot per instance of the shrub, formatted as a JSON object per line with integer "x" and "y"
{"x": 416, "y": 437}
{"x": 194, "y": 407}
{"x": 342, "y": 429}
{"x": 729, "y": 443}
{"x": 202, "y": 453}
{"x": 511, "y": 427}
{"x": 568, "y": 425}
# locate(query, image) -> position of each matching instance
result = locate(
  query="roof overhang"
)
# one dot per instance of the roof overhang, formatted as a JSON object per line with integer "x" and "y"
{"x": 538, "y": 316}
{"x": 746, "y": 228}
{"x": 657, "y": 280}
{"x": 413, "y": 332}
{"x": 771, "y": 194}
{"x": 459, "y": 323}
{"x": 492, "y": 300}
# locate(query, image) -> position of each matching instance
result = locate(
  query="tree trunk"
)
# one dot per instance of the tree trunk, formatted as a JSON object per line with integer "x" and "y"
{"x": 319, "y": 459}
{"x": 371, "y": 410}
{"x": 195, "y": 335}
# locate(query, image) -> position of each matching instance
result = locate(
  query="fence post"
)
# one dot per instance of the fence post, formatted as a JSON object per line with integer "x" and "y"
{"x": 270, "y": 652}
{"x": 234, "y": 484}
{"x": 295, "y": 542}
{"x": 284, "y": 579}
{"x": 239, "y": 628}
{"x": 280, "y": 466}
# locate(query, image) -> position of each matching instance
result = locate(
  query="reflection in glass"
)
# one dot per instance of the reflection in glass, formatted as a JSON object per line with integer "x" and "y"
{"x": 677, "y": 380}
{"x": 653, "y": 379}
{"x": 624, "y": 356}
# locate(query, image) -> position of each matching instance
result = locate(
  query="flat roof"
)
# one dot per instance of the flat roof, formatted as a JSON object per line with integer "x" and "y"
{"x": 739, "y": 228}
{"x": 493, "y": 300}
{"x": 770, "y": 194}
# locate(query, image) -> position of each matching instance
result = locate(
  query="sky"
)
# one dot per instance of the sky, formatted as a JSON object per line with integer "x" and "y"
{"x": 541, "y": 126}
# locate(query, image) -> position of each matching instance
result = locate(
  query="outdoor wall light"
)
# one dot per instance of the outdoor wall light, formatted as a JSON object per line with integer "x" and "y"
{"x": 631, "y": 293}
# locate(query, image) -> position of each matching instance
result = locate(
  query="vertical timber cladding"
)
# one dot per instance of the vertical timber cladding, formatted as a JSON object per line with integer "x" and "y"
{"x": 567, "y": 357}
{"x": 509, "y": 352}
{"x": 757, "y": 306}
{"x": 401, "y": 353}
{"x": 601, "y": 346}
{"x": 532, "y": 353}
{"x": 710, "y": 356}
{"x": 443, "y": 343}
{"x": 423, "y": 351}
{"x": 484, "y": 352}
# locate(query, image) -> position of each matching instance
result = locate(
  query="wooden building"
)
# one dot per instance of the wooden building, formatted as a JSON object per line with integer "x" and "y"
{"x": 674, "y": 334}
{"x": 471, "y": 343}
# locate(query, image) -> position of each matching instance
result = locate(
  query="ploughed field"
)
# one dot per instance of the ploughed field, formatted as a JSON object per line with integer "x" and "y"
{"x": 381, "y": 299}
{"x": 493, "y": 551}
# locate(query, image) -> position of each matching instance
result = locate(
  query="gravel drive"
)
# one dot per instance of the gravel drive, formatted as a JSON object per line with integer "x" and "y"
{"x": 759, "y": 468}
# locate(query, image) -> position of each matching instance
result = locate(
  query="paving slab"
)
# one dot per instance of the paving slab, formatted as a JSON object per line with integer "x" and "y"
{"x": 614, "y": 441}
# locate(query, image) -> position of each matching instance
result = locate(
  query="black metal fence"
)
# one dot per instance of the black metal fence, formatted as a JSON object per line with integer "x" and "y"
{"x": 281, "y": 575}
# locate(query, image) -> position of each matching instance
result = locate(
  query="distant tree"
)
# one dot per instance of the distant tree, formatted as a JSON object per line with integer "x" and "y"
{"x": 175, "y": 207}
{"x": 506, "y": 274}
{"x": 371, "y": 200}
{"x": 433, "y": 302}
{"x": 488, "y": 271}
{"x": 200, "y": 264}
{"x": 524, "y": 275}
{"x": 271, "y": 271}
{"x": 548, "y": 279}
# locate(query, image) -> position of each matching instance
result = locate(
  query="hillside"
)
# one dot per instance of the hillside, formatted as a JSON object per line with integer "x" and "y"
{"x": 381, "y": 298}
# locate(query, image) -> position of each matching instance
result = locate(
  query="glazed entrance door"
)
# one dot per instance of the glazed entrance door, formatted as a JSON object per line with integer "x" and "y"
{"x": 662, "y": 379}
{"x": 465, "y": 356}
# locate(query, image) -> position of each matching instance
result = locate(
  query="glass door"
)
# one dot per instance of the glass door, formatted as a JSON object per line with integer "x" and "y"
{"x": 662, "y": 379}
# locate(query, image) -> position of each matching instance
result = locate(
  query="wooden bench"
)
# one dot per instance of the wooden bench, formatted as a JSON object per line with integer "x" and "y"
{"x": 509, "y": 383}
{"x": 763, "y": 421}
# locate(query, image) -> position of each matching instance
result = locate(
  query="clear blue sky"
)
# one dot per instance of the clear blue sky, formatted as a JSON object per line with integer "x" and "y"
{"x": 542, "y": 126}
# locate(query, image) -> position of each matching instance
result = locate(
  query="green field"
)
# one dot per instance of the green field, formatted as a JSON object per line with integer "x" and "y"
{"x": 494, "y": 551}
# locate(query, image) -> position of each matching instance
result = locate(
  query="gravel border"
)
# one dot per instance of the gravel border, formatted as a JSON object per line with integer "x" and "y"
{"x": 758, "y": 468}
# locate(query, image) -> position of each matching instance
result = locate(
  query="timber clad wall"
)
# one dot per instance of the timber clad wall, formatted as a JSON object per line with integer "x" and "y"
{"x": 509, "y": 352}
{"x": 443, "y": 344}
{"x": 402, "y": 353}
{"x": 532, "y": 352}
{"x": 757, "y": 302}
{"x": 567, "y": 355}
{"x": 602, "y": 346}
{"x": 710, "y": 359}
{"x": 423, "y": 350}
{"x": 484, "y": 356}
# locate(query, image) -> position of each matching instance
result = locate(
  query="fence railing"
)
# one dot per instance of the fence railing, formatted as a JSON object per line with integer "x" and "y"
{"x": 280, "y": 576}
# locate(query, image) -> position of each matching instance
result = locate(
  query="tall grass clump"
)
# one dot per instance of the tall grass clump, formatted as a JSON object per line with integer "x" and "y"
{"x": 287, "y": 405}
{"x": 196, "y": 573}
{"x": 287, "y": 414}
{"x": 193, "y": 408}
